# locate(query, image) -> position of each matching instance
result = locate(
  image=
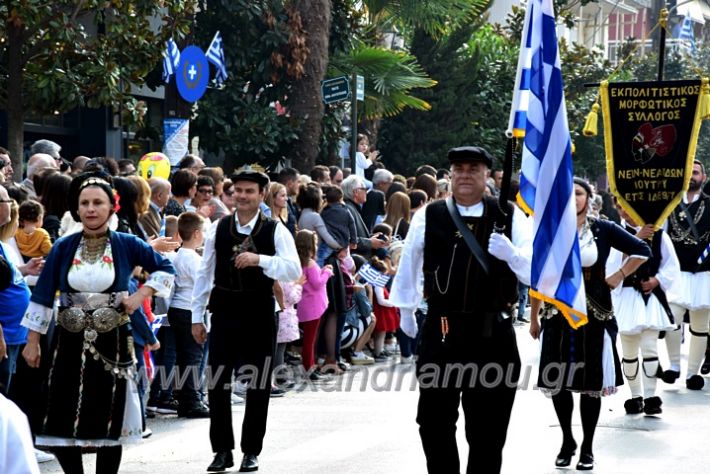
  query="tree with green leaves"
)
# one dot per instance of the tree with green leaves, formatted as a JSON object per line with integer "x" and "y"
{"x": 63, "y": 54}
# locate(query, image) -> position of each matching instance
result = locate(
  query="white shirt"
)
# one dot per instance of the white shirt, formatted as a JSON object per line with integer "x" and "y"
{"x": 283, "y": 266}
{"x": 361, "y": 164}
{"x": 17, "y": 455}
{"x": 407, "y": 288}
{"x": 185, "y": 263}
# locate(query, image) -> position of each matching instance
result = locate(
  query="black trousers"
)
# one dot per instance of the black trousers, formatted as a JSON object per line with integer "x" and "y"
{"x": 242, "y": 343}
{"x": 481, "y": 374}
{"x": 188, "y": 357}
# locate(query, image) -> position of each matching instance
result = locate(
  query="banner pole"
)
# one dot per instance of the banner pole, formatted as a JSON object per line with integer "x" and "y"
{"x": 663, "y": 20}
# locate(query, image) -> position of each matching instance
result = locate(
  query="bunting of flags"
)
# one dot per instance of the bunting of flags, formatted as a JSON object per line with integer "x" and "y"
{"x": 171, "y": 59}
{"x": 215, "y": 55}
{"x": 546, "y": 185}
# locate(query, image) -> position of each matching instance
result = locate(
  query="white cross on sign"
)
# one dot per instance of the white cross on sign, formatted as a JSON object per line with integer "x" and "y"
{"x": 192, "y": 72}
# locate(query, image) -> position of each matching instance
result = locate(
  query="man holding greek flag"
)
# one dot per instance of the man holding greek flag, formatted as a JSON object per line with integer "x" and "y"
{"x": 570, "y": 250}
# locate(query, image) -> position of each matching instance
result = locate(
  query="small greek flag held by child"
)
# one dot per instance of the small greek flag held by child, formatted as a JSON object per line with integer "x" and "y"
{"x": 372, "y": 276}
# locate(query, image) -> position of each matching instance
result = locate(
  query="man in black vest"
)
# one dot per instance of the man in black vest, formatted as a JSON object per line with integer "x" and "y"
{"x": 244, "y": 253}
{"x": 689, "y": 229}
{"x": 467, "y": 351}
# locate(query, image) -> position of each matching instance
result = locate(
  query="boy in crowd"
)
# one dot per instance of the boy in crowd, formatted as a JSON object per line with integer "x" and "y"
{"x": 188, "y": 351}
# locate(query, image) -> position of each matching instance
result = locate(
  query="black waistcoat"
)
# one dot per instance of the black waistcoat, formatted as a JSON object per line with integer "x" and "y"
{"x": 231, "y": 282}
{"x": 454, "y": 281}
{"x": 688, "y": 246}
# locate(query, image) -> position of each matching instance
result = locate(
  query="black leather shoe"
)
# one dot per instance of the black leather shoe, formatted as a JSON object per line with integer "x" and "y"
{"x": 250, "y": 463}
{"x": 695, "y": 382}
{"x": 705, "y": 368}
{"x": 564, "y": 458}
{"x": 223, "y": 460}
{"x": 633, "y": 406}
{"x": 652, "y": 406}
{"x": 586, "y": 462}
{"x": 670, "y": 376}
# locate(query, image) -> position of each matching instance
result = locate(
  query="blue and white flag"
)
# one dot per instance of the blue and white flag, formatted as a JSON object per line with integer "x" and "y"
{"x": 374, "y": 277}
{"x": 686, "y": 32}
{"x": 519, "y": 108}
{"x": 215, "y": 55}
{"x": 546, "y": 186}
{"x": 171, "y": 59}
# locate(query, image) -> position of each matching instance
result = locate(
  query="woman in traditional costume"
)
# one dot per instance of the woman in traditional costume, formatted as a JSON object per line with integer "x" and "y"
{"x": 585, "y": 360}
{"x": 92, "y": 400}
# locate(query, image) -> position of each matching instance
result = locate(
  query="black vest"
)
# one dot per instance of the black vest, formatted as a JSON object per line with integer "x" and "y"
{"x": 231, "y": 282}
{"x": 688, "y": 247}
{"x": 454, "y": 281}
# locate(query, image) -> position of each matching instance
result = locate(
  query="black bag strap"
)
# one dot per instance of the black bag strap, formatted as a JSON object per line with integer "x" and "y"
{"x": 468, "y": 236}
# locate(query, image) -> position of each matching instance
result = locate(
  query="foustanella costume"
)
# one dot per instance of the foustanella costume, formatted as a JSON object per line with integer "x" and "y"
{"x": 641, "y": 316}
{"x": 689, "y": 229}
{"x": 91, "y": 391}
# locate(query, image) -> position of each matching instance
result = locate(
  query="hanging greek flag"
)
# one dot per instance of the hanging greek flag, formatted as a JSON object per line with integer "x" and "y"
{"x": 171, "y": 59}
{"x": 546, "y": 187}
{"x": 519, "y": 108}
{"x": 374, "y": 277}
{"x": 686, "y": 32}
{"x": 215, "y": 55}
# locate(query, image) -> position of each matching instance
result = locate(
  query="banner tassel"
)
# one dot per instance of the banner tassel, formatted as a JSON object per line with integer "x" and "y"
{"x": 705, "y": 100}
{"x": 590, "y": 125}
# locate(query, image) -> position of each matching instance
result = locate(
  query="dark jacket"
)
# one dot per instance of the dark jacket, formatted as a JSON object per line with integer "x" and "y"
{"x": 373, "y": 207}
{"x": 364, "y": 246}
{"x": 340, "y": 224}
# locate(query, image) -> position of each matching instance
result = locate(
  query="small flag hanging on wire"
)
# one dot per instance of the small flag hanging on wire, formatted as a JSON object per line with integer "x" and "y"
{"x": 171, "y": 59}
{"x": 372, "y": 276}
{"x": 215, "y": 55}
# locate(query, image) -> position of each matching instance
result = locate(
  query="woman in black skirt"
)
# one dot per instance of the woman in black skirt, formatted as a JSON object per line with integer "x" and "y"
{"x": 585, "y": 360}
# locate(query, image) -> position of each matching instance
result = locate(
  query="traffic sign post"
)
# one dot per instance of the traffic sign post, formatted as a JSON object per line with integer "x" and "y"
{"x": 359, "y": 87}
{"x": 335, "y": 90}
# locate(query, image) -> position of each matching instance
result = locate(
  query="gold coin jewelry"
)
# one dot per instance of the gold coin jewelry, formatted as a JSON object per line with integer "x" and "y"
{"x": 93, "y": 247}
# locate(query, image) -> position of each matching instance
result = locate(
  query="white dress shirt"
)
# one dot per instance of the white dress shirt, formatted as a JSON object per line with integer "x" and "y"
{"x": 407, "y": 288}
{"x": 284, "y": 265}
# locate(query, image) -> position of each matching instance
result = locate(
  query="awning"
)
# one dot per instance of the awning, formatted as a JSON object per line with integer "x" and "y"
{"x": 693, "y": 9}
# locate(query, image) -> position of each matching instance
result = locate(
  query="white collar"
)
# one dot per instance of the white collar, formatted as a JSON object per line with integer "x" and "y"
{"x": 697, "y": 196}
{"x": 246, "y": 229}
{"x": 471, "y": 211}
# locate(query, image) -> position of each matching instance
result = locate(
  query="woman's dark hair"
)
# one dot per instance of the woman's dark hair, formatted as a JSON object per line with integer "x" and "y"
{"x": 182, "y": 181}
{"x": 310, "y": 196}
{"x": 18, "y": 193}
{"x": 426, "y": 183}
{"x": 215, "y": 173}
{"x": 54, "y": 196}
{"x": 99, "y": 179}
{"x": 39, "y": 179}
{"x": 128, "y": 195}
{"x": 203, "y": 180}
{"x": 102, "y": 163}
{"x": 395, "y": 187}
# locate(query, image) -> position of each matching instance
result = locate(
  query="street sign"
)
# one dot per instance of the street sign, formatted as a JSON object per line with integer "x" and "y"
{"x": 360, "y": 88}
{"x": 335, "y": 90}
{"x": 192, "y": 74}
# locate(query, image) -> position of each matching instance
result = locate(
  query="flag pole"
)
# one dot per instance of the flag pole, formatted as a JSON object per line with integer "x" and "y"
{"x": 499, "y": 227}
{"x": 663, "y": 20}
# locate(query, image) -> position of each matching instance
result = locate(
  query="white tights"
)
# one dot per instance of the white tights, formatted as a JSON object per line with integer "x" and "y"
{"x": 647, "y": 341}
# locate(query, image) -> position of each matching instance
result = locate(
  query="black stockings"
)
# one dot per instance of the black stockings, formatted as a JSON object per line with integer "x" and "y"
{"x": 108, "y": 459}
{"x": 589, "y": 408}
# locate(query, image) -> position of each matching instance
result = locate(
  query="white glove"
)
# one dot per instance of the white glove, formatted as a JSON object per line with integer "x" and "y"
{"x": 501, "y": 247}
{"x": 408, "y": 322}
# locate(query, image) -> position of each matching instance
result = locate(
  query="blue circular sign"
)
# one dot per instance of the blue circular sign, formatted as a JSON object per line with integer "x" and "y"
{"x": 193, "y": 74}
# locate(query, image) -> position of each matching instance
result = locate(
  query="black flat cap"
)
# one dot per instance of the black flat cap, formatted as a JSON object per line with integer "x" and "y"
{"x": 470, "y": 154}
{"x": 251, "y": 175}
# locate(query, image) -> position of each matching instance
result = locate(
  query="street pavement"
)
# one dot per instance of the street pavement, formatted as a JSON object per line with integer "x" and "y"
{"x": 371, "y": 429}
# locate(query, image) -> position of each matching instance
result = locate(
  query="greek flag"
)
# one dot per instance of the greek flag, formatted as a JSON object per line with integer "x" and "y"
{"x": 368, "y": 273}
{"x": 215, "y": 55}
{"x": 686, "y": 32}
{"x": 519, "y": 108}
{"x": 546, "y": 187}
{"x": 171, "y": 59}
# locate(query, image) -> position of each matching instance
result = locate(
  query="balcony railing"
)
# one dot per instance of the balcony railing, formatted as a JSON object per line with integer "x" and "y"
{"x": 673, "y": 45}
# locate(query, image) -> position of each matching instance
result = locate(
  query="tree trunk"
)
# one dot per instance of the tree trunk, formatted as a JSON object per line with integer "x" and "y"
{"x": 306, "y": 104}
{"x": 14, "y": 108}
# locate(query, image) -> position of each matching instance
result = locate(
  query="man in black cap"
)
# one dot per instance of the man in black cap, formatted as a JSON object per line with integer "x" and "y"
{"x": 244, "y": 254}
{"x": 471, "y": 254}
